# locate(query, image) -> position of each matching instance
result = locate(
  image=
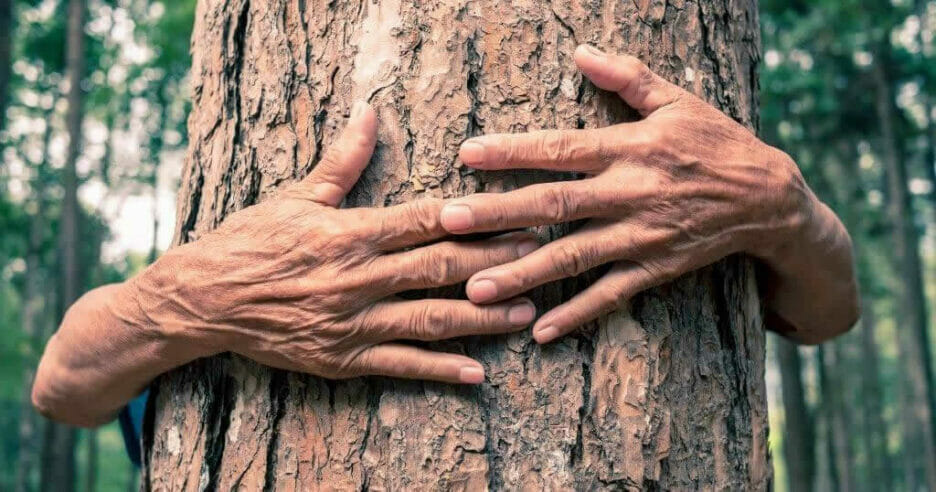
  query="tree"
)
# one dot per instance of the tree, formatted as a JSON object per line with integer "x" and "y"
{"x": 33, "y": 303}
{"x": 799, "y": 442}
{"x": 668, "y": 393}
{"x": 59, "y": 447}
{"x": 6, "y": 51}
{"x": 918, "y": 390}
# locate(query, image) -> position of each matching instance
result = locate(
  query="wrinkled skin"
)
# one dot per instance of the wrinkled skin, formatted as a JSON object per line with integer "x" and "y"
{"x": 677, "y": 190}
{"x": 294, "y": 283}
{"x": 297, "y": 283}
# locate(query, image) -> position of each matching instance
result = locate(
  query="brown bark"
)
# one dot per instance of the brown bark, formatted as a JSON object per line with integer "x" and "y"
{"x": 58, "y": 472}
{"x": 668, "y": 393}
{"x": 919, "y": 410}
{"x": 799, "y": 440}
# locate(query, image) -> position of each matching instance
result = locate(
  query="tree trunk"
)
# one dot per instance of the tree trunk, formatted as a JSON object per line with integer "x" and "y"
{"x": 878, "y": 473}
{"x": 919, "y": 426}
{"x": 59, "y": 448}
{"x": 834, "y": 389}
{"x": 91, "y": 466}
{"x": 666, "y": 394}
{"x": 799, "y": 441}
{"x": 33, "y": 304}
{"x": 6, "y": 51}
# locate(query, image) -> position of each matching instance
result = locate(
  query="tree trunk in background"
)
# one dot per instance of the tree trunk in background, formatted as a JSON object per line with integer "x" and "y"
{"x": 831, "y": 456}
{"x": 155, "y": 153}
{"x": 6, "y": 51}
{"x": 667, "y": 394}
{"x": 91, "y": 467}
{"x": 58, "y": 472}
{"x": 799, "y": 443}
{"x": 840, "y": 419}
{"x": 878, "y": 474}
{"x": 919, "y": 430}
{"x": 33, "y": 305}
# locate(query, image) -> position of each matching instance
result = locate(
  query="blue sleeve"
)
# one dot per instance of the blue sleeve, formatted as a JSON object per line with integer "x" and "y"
{"x": 131, "y": 426}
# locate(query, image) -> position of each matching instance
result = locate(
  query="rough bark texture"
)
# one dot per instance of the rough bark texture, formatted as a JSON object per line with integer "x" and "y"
{"x": 799, "y": 443}
{"x": 667, "y": 393}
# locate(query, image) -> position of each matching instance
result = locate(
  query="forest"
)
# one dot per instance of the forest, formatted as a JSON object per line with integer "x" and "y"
{"x": 89, "y": 177}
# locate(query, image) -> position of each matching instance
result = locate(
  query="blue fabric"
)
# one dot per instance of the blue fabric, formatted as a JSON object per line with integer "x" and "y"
{"x": 131, "y": 425}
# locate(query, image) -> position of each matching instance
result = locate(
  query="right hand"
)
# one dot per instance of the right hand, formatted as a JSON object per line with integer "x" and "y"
{"x": 298, "y": 284}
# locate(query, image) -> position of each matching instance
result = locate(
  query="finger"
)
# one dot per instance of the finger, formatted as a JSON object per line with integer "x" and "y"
{"x": 439, "y": 319}
{"x": 448, "y": 262}
{"x": 559, "y": 150}
{"x": 622, "y": 282}
{"x": 338, "y": 171}
{"x": 634, "y": 82}
{"x": 569, "y": 256}
{"x": 403, "y": 361}
{"x": 539, "y": 204}
{"x": 405, "y": 225}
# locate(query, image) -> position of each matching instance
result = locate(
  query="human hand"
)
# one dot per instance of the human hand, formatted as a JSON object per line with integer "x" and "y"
{"x": 675, "y": 191}
{"x": 299, "y": 284}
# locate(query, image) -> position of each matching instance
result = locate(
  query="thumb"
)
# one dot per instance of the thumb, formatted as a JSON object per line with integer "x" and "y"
{"x": 338, "y": 171}
{"x": 634, "y": 82}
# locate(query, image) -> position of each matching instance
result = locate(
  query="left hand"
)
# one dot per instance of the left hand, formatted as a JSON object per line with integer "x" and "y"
{"x": 675, "y": 191}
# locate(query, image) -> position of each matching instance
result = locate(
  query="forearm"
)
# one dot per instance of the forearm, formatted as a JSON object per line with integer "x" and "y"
{"x": 811, "y": 292}
{"x": 105, "y": 352}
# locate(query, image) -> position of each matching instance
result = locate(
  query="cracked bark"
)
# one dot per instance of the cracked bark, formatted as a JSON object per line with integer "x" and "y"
{"x": 667, "y": 393}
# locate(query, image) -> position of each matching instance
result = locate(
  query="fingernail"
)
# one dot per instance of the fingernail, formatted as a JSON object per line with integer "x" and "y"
{"x": 482, "y": 290}
{"x": 527, "y": 247}
{"x": 471, "y": 375}
{"x": 521, "y": 314}
{"x": 593, "y": 50}
{"x": 471, "y": 152}
{"x": 457, "y": 217}
{"x": 545, "y": 334}
{"x": 358, "y": 109}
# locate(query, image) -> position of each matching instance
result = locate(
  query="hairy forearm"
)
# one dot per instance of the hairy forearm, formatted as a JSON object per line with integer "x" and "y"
{"x": 105, "y": 352}
{"x": 811, "y": 292}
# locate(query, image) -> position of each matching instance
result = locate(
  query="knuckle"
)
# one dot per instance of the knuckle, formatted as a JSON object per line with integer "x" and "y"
{"x": 431, "y": 323}
{"x": 611, "y": 299}
{"x": 556, "y": 203}
{"x": 440, "y": 265}
{"x": 570, "y": 260}
{"x": 423, "y": 215}
{"x": 555, "y": 147}
{"x": 415, "y": 367}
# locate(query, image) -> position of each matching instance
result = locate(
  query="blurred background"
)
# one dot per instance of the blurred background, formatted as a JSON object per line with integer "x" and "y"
{"x": 847, "y": 88}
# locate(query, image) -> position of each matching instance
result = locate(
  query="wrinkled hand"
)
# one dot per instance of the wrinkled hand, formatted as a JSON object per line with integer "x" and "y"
{"x": 296, "y": 283}
{"x": 675, "y": 191}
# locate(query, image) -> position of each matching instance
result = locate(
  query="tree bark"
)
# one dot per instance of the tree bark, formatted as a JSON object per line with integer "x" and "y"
{"x": 668, "y": 393}
{"x": 58, "y": 472}
{"x": 799, "y": 441}
{"x": 919, "y": 409}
